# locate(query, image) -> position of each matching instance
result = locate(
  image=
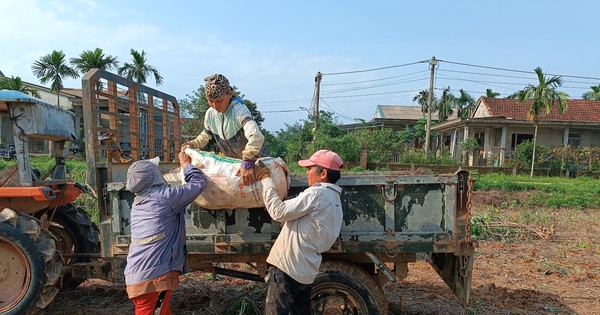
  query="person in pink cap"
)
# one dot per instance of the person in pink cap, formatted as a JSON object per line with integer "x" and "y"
{"x": 311, "y": 224}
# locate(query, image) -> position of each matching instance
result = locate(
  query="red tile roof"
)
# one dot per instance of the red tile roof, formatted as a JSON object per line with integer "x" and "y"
{"x": 577, "y": 110}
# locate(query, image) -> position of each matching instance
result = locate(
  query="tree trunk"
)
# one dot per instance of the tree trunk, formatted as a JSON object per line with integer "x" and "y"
{"x": 534, "y": 145}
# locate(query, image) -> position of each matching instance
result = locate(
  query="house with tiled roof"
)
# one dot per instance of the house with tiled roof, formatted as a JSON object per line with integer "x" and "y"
{"x": 396, "y": 117}
{"x": 499, "y": 125}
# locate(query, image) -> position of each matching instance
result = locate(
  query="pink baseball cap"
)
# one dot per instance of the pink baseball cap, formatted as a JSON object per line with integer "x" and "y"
{"x": 324, "y": 158}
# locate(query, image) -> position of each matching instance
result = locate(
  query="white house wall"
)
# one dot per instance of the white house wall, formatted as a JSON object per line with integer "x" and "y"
{"x": 481, "y": 111}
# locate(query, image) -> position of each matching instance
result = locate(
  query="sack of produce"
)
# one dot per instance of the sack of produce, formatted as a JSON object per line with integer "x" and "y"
{"x": 225, "y": 189}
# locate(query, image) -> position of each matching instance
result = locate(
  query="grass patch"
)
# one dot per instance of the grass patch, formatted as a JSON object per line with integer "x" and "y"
{"x": 553, "y": 192}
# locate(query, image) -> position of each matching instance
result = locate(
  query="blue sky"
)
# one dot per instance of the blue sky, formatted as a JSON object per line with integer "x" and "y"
{"x": 271, "y": 50}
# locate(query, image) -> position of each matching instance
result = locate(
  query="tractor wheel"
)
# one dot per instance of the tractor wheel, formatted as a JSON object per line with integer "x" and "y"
{"x": 76, "y": 234}
{"x": 343, "y": 288}
{"x": 30, "y": 268}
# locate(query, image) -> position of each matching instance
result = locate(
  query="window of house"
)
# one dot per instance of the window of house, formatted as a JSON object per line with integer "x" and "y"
{"x": 36, "y": 146}
{"x": 574, "y": 140}
{"x": 518, "y": 138}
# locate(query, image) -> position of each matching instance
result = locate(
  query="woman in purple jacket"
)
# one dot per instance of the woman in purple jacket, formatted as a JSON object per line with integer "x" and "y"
{"x": 157, "y": 252}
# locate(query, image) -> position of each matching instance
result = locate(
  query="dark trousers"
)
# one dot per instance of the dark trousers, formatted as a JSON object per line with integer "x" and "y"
{"x": 286, "y": 295}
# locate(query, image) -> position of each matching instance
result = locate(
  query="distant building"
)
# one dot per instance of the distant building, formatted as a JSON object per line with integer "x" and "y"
{"x": 396, "y": 117}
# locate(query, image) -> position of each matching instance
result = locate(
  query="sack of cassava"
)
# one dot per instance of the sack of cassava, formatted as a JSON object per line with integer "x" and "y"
{"x": 225, "y": 189}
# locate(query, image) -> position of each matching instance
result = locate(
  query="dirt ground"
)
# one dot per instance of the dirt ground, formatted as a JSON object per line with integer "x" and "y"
{"x": 548, "y": 265}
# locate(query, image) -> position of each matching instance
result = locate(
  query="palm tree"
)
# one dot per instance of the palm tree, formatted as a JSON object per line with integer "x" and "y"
{"x": 422, "y": 98}
{"x": 491, "y": 94}
{"x": 593, "y": 95}
{"x": 139, "y": 70}
{"x": 53, "y": 68}
{"x": 445, "y": 104}
{"x": 465, "y": 103}
{"x": 16, "y": 84}
{"x": 89, "y": 59}
{"x": 542, "y": 96}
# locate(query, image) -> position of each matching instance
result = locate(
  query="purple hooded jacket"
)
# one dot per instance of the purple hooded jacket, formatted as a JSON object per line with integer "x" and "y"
{"x": 157, "y": 220}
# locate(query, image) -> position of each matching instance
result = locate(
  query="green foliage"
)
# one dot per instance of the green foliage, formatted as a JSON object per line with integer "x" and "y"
{"x": 524, "y": 152}
{"x": 16, "y": 84}
{"x": 468, "y": 148}
{"x": 139, "y": 70}
{"x": 594, "y": 94}
{"x": 53, "y": 68}
{"x": 96, "y": 58}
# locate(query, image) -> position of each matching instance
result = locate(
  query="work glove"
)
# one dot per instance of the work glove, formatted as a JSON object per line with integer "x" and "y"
{"x": 261, "y": 171}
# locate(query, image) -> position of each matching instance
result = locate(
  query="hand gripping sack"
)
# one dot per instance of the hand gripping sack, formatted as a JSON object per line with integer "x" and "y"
{"x": 225, "y": 189}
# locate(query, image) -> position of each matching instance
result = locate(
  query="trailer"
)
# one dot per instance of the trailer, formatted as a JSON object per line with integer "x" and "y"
{"x": 390, "y": 219}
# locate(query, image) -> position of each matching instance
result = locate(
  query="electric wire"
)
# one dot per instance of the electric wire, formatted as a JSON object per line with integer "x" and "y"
{"x": 376, "y": 69}
{"x": 513, "y": 70}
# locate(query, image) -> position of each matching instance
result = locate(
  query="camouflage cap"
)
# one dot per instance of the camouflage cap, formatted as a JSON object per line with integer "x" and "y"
{"x": 216, "y": 86}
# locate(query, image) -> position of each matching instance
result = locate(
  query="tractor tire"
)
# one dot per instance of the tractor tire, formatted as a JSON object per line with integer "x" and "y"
{"x": 344, "y": 288}
{"x": 76, "y": 234}
{"x": 30, "y": 265}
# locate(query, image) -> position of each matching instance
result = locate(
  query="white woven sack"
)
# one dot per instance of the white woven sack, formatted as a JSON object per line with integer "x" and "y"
{"x": 225, "y": 189}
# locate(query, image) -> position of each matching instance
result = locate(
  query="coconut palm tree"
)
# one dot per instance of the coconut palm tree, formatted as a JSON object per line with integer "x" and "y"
{"x": 544, "y": 96}
{"x": 593, "y": 95}
{"x": 90, "y": 59}
{"x": 445, "y": 104}
{"x": 53, "y": 68}
{"x": 139, "y": 70}
{"x": 465, "y": 103}
{"x": 16, "y": 84}
{"x": 491, "y": 94}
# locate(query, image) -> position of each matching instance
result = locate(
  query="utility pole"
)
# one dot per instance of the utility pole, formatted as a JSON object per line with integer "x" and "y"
{"x": 316, "y": 115}
{"x": 433, "y": 62}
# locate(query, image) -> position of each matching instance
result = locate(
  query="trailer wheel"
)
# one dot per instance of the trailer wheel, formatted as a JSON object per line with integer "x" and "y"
{"x": 76, "y": 234}
{"x": 343, "y": 288}
{"x": 30, "y": 268}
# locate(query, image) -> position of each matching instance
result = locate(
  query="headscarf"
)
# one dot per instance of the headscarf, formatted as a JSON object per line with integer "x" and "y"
{"x": 144, "y": 174}
{"x": 216, "y": 86}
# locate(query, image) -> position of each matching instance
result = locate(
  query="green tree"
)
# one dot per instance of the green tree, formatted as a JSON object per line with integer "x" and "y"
{"x": 53, "y": 68}
{"x": 445, "y": 104}
{"x": 544, "y": 96}
{"x": 90, "y": 59}
{"x": 16, "y": 84}
{"x": 139, "y": 70}
{"x": 465, "y": 103}
{"x": 491, "y": 94}
{"x": 593, "y": 95}
{"x": 422, "y": 98}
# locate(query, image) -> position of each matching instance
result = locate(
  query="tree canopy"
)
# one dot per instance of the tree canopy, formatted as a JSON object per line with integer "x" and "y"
{"x": 96, "y": 58}
{"x": 139, "y": 70}
{"x": 16, "y": 84}
{"x": 53, "y": 68}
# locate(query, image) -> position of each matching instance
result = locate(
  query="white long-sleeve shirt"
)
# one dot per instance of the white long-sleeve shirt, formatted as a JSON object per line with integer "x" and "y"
{"x": 311, "y": 224}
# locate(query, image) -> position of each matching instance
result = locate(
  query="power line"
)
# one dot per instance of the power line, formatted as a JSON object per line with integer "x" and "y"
{"x": 375, "y": 80}
{"x": 374, "y": 86}
{"x": 282, "y": 111}
{"x": 359, "y": 95}
{"x": 509, "y": 76}
{"x": 376, "y": 69}
{"x": 519, "y": 71}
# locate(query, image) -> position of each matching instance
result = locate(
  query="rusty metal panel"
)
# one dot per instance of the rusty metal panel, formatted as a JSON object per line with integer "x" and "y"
{"x": 136, "y": 122}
